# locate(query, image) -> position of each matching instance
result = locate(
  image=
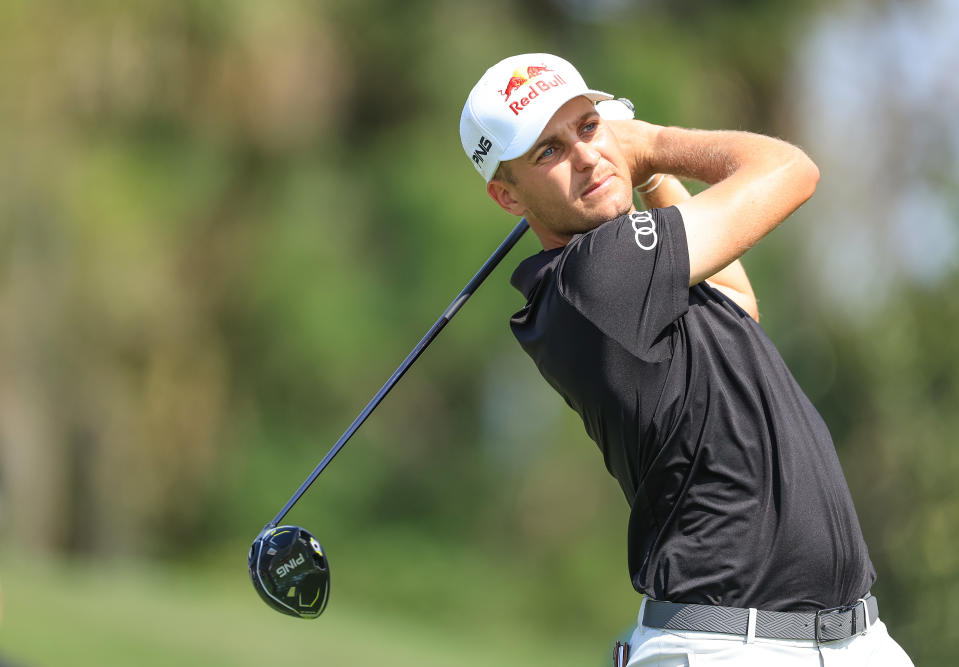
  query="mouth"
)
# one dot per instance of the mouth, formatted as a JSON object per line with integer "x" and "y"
{"x": 597, "y": 186}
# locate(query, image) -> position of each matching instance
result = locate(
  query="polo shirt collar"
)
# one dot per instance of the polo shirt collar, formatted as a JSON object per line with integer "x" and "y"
{"x": 533, "y": 269}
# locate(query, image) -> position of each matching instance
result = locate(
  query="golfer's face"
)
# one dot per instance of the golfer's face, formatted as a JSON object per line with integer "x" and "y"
{"x": 575, "y": 177}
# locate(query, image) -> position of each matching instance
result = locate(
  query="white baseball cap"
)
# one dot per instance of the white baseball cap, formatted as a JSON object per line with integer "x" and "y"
{"x": 511, "y": 104}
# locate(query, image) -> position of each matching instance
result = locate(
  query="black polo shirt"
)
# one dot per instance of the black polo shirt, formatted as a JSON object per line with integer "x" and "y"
{"x": 737, "y": 496}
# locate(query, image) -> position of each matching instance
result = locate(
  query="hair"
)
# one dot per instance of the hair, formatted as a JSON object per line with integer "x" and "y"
{"x": 504, "y": 173}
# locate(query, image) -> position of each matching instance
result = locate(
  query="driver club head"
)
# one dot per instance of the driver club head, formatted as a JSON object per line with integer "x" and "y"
{"x": 290, "y": 571}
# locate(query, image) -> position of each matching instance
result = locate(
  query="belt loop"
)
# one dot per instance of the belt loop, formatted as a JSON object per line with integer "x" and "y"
{"x": 642, "y": 615}
{"x": 751, "y": 626}
{"x": 865, "y": 613}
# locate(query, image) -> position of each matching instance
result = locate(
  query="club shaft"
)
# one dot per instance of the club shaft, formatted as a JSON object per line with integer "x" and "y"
{"x": 433, "y": 332}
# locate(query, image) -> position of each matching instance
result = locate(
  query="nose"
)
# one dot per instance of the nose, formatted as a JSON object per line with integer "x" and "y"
{"x": 584, "y": 155}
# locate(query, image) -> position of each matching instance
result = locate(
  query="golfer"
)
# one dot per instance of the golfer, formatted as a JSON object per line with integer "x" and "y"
{"x": 742, "y": 534}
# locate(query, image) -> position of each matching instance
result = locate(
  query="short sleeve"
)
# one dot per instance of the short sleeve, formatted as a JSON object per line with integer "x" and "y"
{"x": 630, "y": 277}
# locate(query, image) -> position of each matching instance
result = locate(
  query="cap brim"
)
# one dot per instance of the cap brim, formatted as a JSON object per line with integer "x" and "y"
{"x": 526, "y": 139}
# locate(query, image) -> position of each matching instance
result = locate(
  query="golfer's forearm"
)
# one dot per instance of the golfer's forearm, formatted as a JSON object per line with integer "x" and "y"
{"x": 762, "y": 178}
{"x": 714, "y": 155}
{"x": 709, "y": 156}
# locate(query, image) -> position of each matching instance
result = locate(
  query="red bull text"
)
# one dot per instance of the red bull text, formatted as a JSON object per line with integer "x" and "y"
{"x": 541, "y": 85}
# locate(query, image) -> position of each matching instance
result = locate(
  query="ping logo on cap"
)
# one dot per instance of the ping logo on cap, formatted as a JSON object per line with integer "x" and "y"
{"x": 482, "y": 149}
{"x": 520, "y": 78}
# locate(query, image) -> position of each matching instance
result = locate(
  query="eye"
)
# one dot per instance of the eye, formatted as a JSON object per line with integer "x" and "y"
{"x": 590, "y": 127}
{"x": 547, "y": 153}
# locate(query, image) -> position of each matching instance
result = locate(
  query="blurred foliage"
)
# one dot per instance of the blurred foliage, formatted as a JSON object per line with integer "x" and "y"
{"x": 226, "y": 221}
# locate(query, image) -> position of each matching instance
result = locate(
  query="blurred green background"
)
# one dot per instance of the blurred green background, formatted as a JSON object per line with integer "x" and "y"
{"x": 223, "y": 223}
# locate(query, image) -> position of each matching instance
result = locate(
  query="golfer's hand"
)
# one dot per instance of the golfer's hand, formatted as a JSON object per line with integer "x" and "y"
{"x": 636, "y": 138}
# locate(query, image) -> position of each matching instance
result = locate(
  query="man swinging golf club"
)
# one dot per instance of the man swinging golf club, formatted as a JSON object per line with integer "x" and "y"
{"x": 742, "y": 533}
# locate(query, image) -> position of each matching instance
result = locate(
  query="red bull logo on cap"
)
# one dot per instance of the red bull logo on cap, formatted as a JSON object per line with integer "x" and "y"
{"x": 521, "y": 78}
{"x": 514, "y": 84}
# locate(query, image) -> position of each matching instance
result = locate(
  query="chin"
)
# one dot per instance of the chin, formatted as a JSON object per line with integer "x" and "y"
{"x": 579, "y": 220}
{"x": 610, "y": 212}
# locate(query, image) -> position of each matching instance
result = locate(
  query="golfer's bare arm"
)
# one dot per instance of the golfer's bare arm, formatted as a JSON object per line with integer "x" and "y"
{"x": 755, "y": 183}
{"x": 732, "y": 281}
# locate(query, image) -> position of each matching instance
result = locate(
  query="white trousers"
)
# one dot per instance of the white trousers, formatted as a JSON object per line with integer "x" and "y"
{"x": 652, "y": 647}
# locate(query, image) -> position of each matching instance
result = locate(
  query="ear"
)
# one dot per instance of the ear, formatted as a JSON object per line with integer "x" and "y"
{"x": 505, "y": 195}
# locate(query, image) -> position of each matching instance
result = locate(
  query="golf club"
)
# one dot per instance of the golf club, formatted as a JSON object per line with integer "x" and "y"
{"x": 288, "y": 567}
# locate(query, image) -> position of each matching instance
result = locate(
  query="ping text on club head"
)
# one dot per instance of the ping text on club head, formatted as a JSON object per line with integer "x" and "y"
{"x": 290, "y": 565}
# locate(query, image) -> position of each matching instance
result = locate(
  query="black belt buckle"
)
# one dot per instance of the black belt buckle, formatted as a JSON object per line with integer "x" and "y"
{"x": 838, "y": 610}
